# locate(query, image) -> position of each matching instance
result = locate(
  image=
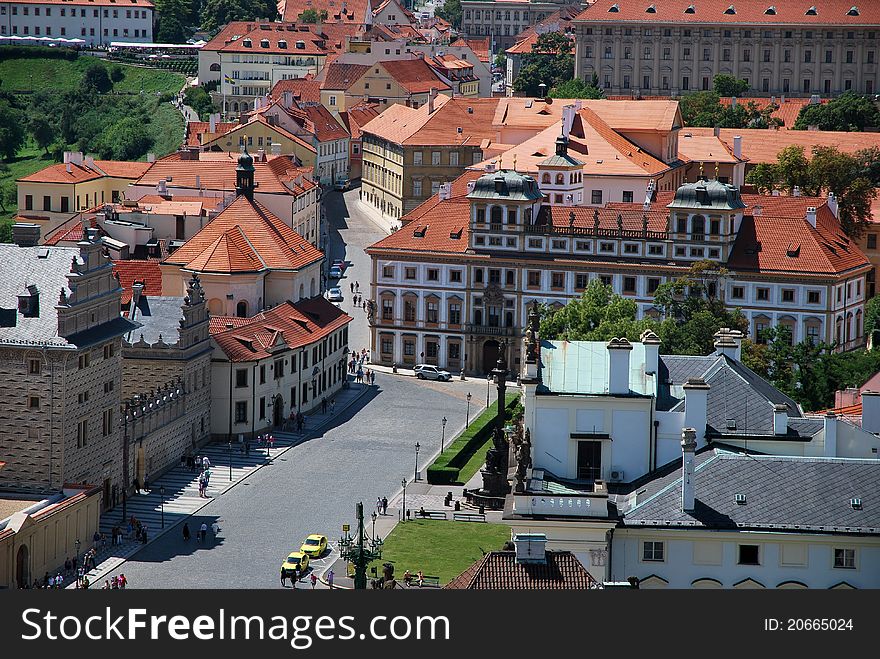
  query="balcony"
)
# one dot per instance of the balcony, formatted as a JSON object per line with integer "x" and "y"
{"x": 490, "y": 330}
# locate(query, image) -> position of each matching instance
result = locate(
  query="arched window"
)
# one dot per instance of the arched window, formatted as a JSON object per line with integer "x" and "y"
{"x": 560, "y": 179}
{"x": 497, "y": 215}
{"x": 241, "y": 309}
{"x": 235, "y": 107}
{"x": 698, "y": 224}
{"x": 301, "y": 291}
{"x": 215, "y": 67}
{"x": 312, "y": 288}
{"x": 545, "y": 178}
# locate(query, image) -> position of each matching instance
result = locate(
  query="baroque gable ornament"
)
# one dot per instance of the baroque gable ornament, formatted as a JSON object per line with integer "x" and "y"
{"x": 493, "y": 295}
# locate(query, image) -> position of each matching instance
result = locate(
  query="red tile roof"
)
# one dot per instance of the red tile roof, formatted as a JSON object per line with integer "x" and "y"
{"x": 261, "y": 120}
{"x": 414, "y": 75}
{"x": 292, "y": 324}
{"x": 143, "y": 271}
{"x": 357, "y": 116}
{"x": 479, "y": 46}
{"x": 245, "y": 237}
{"x": 267, "y": 37}
{"x": 326, "y": 127}
{"x": 404, "y": 125}
{"x": 355, "y": 10}
{"x": 70, "y": 231}
{"x": 789, "y": 12}
{"x": 499, "y": 570}
{"x": 196, "y": 129}
{"x": 342, "y": 76}
{"x": 80, "y": 173}
{"x": 304, "y": 90}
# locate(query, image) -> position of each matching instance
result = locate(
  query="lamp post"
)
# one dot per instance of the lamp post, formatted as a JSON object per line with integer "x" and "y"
{"x": 373, "y": 516}
{"x": 467, "y": 419}
{"x": 230, "y": 460}
{"x": 443, "y": 436}
{"x": 488, "y": 382}
{"x": 402, "y": 510}
{"x": 359, "y": 550}
{"x": 162, "y": 495}
{"x": 416, "y": 473}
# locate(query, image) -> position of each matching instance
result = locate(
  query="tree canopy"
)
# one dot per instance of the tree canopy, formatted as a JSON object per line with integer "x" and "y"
{"x": 577, "y": 88}
{"x": 847, "y": 112}
{"x": 96, "y": 79}
{"x": 727, "y": 85}
{"x": 12, "y": 132}
{"x": 216, "y": 13}
{"x": 200, "y": 101}
{"x": 704, "y": 109}
{"x": 849, "y": 176}
{"x": 551, "y": 62}
{"x": 450, "y": 12}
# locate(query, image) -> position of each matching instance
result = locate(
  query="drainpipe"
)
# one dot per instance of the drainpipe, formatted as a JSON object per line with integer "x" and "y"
{"x": 610, "y": 554}
{"x": 231, "y": 403}
{"x": 254, "y": 401}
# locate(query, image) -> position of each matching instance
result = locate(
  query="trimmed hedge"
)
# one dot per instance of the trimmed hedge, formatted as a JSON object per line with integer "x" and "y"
{"x": 445, "y": 469}
{"x": 37, "y": 52}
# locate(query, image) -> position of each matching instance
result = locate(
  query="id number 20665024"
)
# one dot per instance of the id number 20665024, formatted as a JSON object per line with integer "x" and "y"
{"x": 807, "y": 624}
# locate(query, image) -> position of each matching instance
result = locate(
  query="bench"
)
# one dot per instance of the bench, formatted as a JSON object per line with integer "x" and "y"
{"x": 430, "y": 514}
{"x": 431, "y": 581}
{"x": 468, "y": 517}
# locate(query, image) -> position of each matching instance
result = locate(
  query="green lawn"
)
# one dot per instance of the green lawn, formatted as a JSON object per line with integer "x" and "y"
{"x": 29, "y": 160}
{"x": 22, "y": 75}
{"x": 476, "y": 462}
{"x": 437, "y": 548}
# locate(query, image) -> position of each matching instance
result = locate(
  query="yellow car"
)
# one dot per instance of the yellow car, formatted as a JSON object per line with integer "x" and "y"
{"x": 295, "y": 560}
{"x": 314, "y": 546}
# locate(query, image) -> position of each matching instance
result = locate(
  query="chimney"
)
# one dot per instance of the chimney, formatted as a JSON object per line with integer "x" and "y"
{"x": 198, "y": 182}
{"x": 286, "y": 100}
{"x": 815, "y": 100}
{"x": 75, "y": 157}
{"x": 568, "y": 112}
{"x": 716, "y": 131}
{"x": 67, "y": 156}
{"x": 871, "y": 411}
{"x": 212, "y": 123}
{"x": 68, "y": 167}
{"x": 780, "y": 419}
{"x": 530, "y": 547}
{"x": 733, "y": 102}
{"x": 831, "y": 434}
{"x": 832, "y": 203}
{"x": 151, "y": 157}
{"x": 773, "y": 100}
{"x": 619, "y": 351}
{"x": 431, "y": 96}
{"x": 782, "y": 100}
{"x": 728, "y": 342}
{"x": 796, "y": 191}
{"x": 137, "y": 289}
{"x": 162, "y": 188}
{"x": 688, "y": 447}
{"x": 26, "y": 234}
{"x": 471, "y": 185}
{"x": 261, "y": 155}
{"x": 276, "y": 149}
{"x": 90, "y": 162}
{"x": 811, "y": 216}
{"x": 738, "y": 146}
{"x": 813, "y": 127}
{"x": 445, "y": 191}
{"x": 696, "y": 400}
{"x": 652, "y": 351}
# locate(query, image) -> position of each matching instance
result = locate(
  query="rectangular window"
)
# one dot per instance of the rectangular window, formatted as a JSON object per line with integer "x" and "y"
{"x": 738, "y": 293}
{"x": 84, "y": 360}
{"x": 581, "y": 280}
{"x": 652, "y": 551}
{"x": 241, "y": 378}
{"x": 388, "y": 271}
{"x": 557, "y": 280}
{"x": 82, "y": 433}
{"x": 278, "y": 369}
{"x": 596, "y": 196}
{"x": 607, "y": 280}
{"x": 432, "y": 312}
{"x": 107, "y": 423}
{"x": 627, "y": 196}
{"x": 845, "y": 558}
{"x": 435, "y": 157}
{"x": 653, "y": 285}
{"x": 455, "y": 313}
{"x": 630, "y": 248}
{"x": 33, "y": 402}
{"x": 241, "y": 411}
{"x": 534, "y": 279}
{"x": 417, "y": 157}
{"x": 409, "y": 273}
{"x": 455, "y": 276}
{"x": 34, "y": 366}
{"x": 560, "y": 244}
{"x": 629, "y": 285}
{"x": 788, "y": 295}
{"x": 813, "y": 297}
{"x": 749, "y": 555}
{"x": 262, "y": 375}
{"x": 655, "y": 250}
{"x": 453, "y": 158}
{"x": 762, "y": 294}
{"x": 582, "y": 245}
{"x": 262, "y": 408}
{"x": 606, "y": 247}
{"x": 433, "y": 274}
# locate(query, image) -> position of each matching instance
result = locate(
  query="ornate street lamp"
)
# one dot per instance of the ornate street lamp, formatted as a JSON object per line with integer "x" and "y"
{"x": 467, "y": 421}
{"x": 230, "y": 460}
{"x": 360, "y": 550}
{"x": 373, "y": 516}
{"x": 488, "y": 382}
{"x": 443, "y": 435}
{"x": 403, "y": 510}
{"x": 416, "y": 474}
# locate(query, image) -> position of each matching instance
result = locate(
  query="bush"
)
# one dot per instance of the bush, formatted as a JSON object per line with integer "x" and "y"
{"x": 446, "y": 467}
{"x": 37, "y": 52}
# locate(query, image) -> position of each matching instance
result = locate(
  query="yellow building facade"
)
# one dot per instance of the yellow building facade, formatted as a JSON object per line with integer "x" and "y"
{"x": 260, "y": 134}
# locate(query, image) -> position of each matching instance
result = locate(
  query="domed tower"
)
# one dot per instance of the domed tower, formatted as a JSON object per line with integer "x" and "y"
{"x": 704, "y": 220}
{"x": 502, "y": 203}
{"x": 244, "y": 175}
{"x": 561, "y": 176}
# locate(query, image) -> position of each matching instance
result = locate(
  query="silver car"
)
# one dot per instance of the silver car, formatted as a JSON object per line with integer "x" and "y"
{"x": 429, "y": 372}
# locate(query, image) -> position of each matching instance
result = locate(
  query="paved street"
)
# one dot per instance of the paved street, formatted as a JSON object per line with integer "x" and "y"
{"x": 313, "y": 487}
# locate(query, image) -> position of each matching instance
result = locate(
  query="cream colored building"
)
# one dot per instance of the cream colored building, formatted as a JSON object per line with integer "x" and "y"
{"x": 824, "y": 47}
{"x": 503, "y": 20}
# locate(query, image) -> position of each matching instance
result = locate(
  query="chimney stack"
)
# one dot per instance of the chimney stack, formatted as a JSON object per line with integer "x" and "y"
{"x": 26, "y": 234}
{"x": 286, "y": 100}
{"x": 652, "y": 350}
{"x": 738, "y": 146}
{"x": 619, "y": 351}
{"x": 276, "y": 149}
{"x": 568, "y": 114}
{"x": 151, "y": 157}
{"x": 212, "y": 123}
{"x": 780, "y": 419}
{"x": 445, "y": 191}
{"x": 811, "y": 216}
{"x": 871, "y": 411}
{"x": 688, "y": 448}
{"x": 832, "y": 203}
{"x": 796, "y": 191}
{"x": 733, "y": 102}
{"x": 530, "y": 547}
{"x": 696, "y": 401}
{"x": 728, "y": 342}
{"x": 431, "y": 96}
{"x": 831, "y": 434}
{"x": 716, "y": 131}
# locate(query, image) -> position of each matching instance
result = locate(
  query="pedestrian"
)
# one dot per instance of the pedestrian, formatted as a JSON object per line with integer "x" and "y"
{"x": 144, "y": 533}
{"x": 357, "y": 286}
{"x": 283, "y": 576}
{"x": 271, "y": 441}
{"x": 123, "y": 582}
{"x": 372, "y": 377}
{"x": 323, "y": 406}
{"x": 206, "y": 462}
{"x": 67, "y": 566}
{"x": 186, "y": 532}
{"x": 50, "y": 582}
{"x": 379, "y": 505}
{"x": 330, "y": 579}
{"x": 106, "y": 585}
{"x": 215, "y": 528}
{"x": 352, "y": 287}
{"x": 203, "y": 532}
{"x": 295, "y": 578}
{"x": 332, "y": 405}
{"x": 384, "y": 505}
{"x": 421, "y": 579}
{"x": 314, "y": 579}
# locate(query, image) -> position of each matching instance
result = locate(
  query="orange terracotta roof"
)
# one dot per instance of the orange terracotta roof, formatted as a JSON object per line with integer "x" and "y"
{"x": 261, "y": 120}
{"x": 154, "y": 201}
{"x": 404, "y": 125}
{"x": 355, "y": 10}
{"x": 480, "y": 48}
{"x": 304, "y": 90}
{"x": 196, "y": 129}
{"x": 70, "y": 231}
{"x": 786, "y": 112}
{"x": 357, "y": 116}
{"x": 529, "y": 113}
{"x": 219, "y": 324}
{"x": 523, "y": 46}
{"x": 216, "y": 171}
{"x": 146, "y": 272}
{"x": 80, "y": 173}
{"x": 762, "y": 146}
{"x": 267, "y": 37}
{"x": 245, "y": 237}
{"x": 790, "y": 12}
{"x": 704, "y": 148}
{"x": 342, "y": 76}
{"x": 414, "y": 75}
{"x": 291, "y": 324}
{"x": 326, "y": 127}
{"x": 849, "y": 410}
{"x": 635, "y": 116}
{"x": 499, "y": 570}
{"x": 122, "y": 168}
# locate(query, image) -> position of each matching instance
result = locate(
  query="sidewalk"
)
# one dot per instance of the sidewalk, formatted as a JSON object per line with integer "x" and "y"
{"x": 181, "y": 499}
{"x": 377, "y": 217}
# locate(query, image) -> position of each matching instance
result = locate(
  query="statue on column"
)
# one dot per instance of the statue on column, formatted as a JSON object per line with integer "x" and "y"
{"x": 531, "y": 340}
{"x": 523, "y": 461}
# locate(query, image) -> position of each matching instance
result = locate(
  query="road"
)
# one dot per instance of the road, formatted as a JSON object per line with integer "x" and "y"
{"x": 313, "y": 487}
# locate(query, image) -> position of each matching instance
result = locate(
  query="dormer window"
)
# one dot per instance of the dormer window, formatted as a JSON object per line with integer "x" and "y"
{"x": 730, "y": 10}
{"x": 853, "y": 11}
{"x": 29, "y": 302}
{"x": 282, "y": 44}
{"x": 812, "y": 11}
{"x": 247, "y": 43}
{"x": 300, "y": 45}
{"x": 651, "y": 10}
{"x": 690, "y": 10}
{"x": 770, "y": 11}
{"x": 613, "y": 9}
{"x": 264, "y": 43}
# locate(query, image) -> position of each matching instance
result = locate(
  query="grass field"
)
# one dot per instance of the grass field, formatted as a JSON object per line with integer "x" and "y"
{"x": 437, "y": 548}
{"x": 26, "y": 75}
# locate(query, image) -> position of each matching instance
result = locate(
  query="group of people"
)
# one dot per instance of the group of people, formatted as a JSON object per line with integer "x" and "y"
{"x": 297, "y": 420}
{"x": 382, "y": 505}
{"x": 202, "y": 535}
{"x": 267, "y": 439}
{"x": 408, "y": 578}
{"x": 115, "y": 583}
{"x": 356, "y": 367}
{"x": 325, "y": 405}
{"x": 204, "y": 477}
{"x": 137, "y": 530}
{"x": 295, "y": 577}
{"x": 116, "y": 535}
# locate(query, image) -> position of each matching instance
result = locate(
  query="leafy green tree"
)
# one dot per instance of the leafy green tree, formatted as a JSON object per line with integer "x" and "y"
{"x": 577, "y": 88}
{"x": 173, "y": 17}
{"x": 451, "y": 13}
{"x": 551, "y": 62}
{"x": 309, "y": 16}
{"x": 727, "y": 85}
{"x": 872, "y": 315}
{"x": 200, "y": 101}
{"x": 8, "y": 199}
{"x": 6, "y": 231}
{"x": 127, "y": 139}
{"x": 12, "y": 132}
{"x": 116, "y": 74}
{"x": 704, "y": 109}
{"x": 96, "y": 79}
{"x": 500, "y": 61}
{"x": 216, "y": 13}
{"x": 847, "y": 112}
{"x": 42, "y": 130}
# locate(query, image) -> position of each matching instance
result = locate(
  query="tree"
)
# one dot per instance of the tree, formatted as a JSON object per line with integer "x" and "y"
{"x": 8, "y": 197}
{"x": 6, "y": 231}
{"x": 576, "y": 88}
{"x": 450, "y": 12}
{"x": 42, "y": 130}
{"x": 309, "y": 16}
{"x": 96, "y": 79}
{"x": 125, "y": 140}
{"x": 116, "y": 74}
{"x": 216, "y": 13}
{"x": 872, "y": 315}
{"x": 12, "y": 133}
{"x": 847, "y": 112}
{"x": 200, "y": 101}
{"x": 704, "y": 109}
{"x": 173, "y": 17}
{"x": 500, "y": 61}
{"x": 727, "y": 85}
{"x": 550, "y": 63}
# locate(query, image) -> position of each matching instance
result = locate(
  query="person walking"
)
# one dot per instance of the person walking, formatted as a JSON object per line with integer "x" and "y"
{"x": 323, "y": 406}
{"x": 206, "y": 462}
{"x": 332, "y": 405}
{"x": 379, "y": 505}
{"x": 372, "y": 377}
{"x": 384, "y": 505}
{"x": 283, "y": 577}
{"x": 357, "y": 286}
{"x": 352, "y": 287}
{"x": 186, "y": 532}
{"x": 330, "y": 579}
{"x": 215, "y": 529}
{"x": 203, "y": 532}
{"x": 314, "y": 580}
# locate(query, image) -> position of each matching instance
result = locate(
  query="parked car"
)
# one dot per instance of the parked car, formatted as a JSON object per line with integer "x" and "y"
{"x": 295, "y": 560}
{"x": 334, "y": 294}
{"x": 342, "y": 184}
{"x": 342, "y": 264}
{"x": 429, "y": 372}
{"x": 314, "y": 546}
{"x": 335, "y": 272}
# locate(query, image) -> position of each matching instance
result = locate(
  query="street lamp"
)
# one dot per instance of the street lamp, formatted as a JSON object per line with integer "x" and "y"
{"x": 467, "y": 421}
{"x": 488, "y": 382}
{"x": 230, "y": 460}
{"x": 162, "y": 495}
{"x": 373, "y": 517}
{"x": 402, "y": 510}
{"x": 416, "y": 473}
{"x": 443, "y": 436}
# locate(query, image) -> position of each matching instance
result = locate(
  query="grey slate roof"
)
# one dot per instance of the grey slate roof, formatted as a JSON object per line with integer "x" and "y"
{"x": 47, "y": 269}
{"x": 511, "y": 186}
{"x": 158, "y": 316}
{"x": 782, "y": 493}
{"x": 707, "y": 195}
